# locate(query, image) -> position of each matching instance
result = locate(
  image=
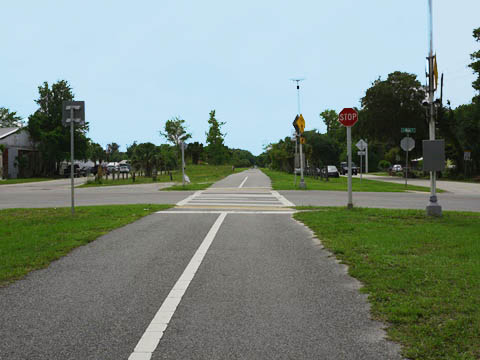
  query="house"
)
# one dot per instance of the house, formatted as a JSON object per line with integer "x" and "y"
{"x": 19, "y": 155}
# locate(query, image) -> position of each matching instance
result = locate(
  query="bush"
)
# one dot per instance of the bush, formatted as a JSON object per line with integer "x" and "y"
{"x": 384, "y": 165}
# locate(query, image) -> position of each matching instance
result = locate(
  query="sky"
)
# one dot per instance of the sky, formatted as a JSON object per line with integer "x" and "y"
{"x": 137, "y": 64}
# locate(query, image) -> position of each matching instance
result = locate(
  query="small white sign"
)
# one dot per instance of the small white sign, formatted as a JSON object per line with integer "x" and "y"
{"x": 361, "y": 145}
{"x": 360, "y": 153}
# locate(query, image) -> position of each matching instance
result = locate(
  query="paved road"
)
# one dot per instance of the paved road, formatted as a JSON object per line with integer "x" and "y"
{"x": 456, "y": 187}
{"x": 461, "y": 196}
{"x": 228, "y": 274}
{"x": 56, "y": 193}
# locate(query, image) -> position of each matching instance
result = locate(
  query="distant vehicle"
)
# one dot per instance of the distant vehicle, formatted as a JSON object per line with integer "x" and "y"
{"x": 331, "y": 170}
{"x": 112, "y": 166}
{"x": 397, "y": 168}
{"x": 344, "y": 168}
{"x": 124, "y": 169}
{"x": 76, "y": 171}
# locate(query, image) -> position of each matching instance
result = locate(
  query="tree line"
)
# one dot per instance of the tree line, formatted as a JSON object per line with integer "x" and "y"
{"x": 52, "y": 139}
{"x": 387, "y": 106}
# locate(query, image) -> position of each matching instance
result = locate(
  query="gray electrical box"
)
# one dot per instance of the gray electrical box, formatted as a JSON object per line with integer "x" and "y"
{"x": 433, "y": 155}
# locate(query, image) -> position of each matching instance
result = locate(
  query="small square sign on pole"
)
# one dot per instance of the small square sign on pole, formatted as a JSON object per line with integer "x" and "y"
{"x": 78, "y": 108}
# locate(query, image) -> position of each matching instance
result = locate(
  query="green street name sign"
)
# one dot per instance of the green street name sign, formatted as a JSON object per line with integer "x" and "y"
{"x": 408, "y": 130}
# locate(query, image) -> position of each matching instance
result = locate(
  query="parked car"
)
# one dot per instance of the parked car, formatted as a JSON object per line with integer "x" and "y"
{"x": 331, "y": 170}
{"x": 124, "y": 168}
{"x": 76, "y": 171}
{"x": 397, "y": 168}
{"x": 344, "y": 168}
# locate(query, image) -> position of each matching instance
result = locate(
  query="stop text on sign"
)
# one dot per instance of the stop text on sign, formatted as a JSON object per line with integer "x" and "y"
{"x": 348, "y": 117}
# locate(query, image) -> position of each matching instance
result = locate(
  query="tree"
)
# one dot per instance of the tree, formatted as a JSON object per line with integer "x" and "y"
{"x": 391, "y": 104}
{"x": 96, "y": 152}
{"x": 475, "y": 65}
{"x": 195, "y": 151}
{"x": 9, "y": 118}
{"x": 322, "y": 149}
{"x": 176, "y": 132}
{"x": 113, "y": 152}
{"x": 216, "y": 151}
{"x": 45, "y": 127}
{"x": 144, "y": 157}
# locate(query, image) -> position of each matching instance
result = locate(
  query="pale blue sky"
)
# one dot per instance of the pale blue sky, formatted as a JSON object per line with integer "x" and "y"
{"x": 138, "y": 63}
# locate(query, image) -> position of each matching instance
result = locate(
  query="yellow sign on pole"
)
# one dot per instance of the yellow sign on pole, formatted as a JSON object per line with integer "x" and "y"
{"x": 301, "y": 123}
{"x": 302, "y": 140}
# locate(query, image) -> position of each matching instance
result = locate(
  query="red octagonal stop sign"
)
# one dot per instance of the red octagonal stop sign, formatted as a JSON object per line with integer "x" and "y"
{"x": 348, "y": 117}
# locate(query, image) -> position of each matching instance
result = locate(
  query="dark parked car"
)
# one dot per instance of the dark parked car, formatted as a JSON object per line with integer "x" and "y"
{"x": 344, "y": 168}
{"x": 76, "y": 171}
{"x": 331, "y": 170}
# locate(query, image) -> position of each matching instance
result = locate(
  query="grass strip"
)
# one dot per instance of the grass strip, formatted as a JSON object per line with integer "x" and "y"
{"x": 31, "y": 239}
{"x": 22, "y": 181}
{"x": 285, "y": 181}
{"x": 422, "y": 274}
{"x": 201, "y": 176}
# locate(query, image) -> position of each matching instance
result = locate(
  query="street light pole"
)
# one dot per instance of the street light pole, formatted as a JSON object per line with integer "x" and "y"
{"x": 302, "y": 180}
{"x": 433, "y": 208}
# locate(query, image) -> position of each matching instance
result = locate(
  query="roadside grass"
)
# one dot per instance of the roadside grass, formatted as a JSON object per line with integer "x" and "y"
{"x": 285, "y": 181}
{"x": 422, "y": 274}
{"x": 22, "y": 181}
{"x": 129, "y": 181}
{"x": 31, "y": 239}
{"x": 201, "y": 176}
{"x": 379, "y": 173}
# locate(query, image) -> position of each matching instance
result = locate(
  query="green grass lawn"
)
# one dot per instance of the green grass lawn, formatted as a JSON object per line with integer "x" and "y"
{"x": 129, "y": 181}
{"x": 422, "y": 274}
{"x": 284, "y": 181}
{"x": 21, "y": 181}
{"x": 201, "y": 177}
{"x": 32, "y": 238}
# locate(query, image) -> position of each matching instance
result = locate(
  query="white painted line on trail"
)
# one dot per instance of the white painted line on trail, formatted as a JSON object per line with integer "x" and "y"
{"x": 243, "y": 182}
{"x": 245, "y": 203}
{"x": 186, "y": 200}
{"x": 282, "y": 199}
{"x": 226, "y": 212}
{"x": 154, "y": 332}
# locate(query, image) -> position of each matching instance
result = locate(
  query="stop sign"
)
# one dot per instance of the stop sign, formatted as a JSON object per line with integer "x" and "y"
{"x": 348, "y": 117}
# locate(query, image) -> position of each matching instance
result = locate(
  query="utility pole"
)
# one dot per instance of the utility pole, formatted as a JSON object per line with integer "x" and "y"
{"x": 433, "y": 208}
{"x": 302, "y": 180}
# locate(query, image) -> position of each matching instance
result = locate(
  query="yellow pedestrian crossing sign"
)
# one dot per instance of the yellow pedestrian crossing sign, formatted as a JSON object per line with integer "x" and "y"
{"x": 301, "y": 123}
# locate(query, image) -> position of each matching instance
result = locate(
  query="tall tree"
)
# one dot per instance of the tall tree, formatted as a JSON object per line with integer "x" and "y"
{"x": 113, "y": 152}
{"x": 9, "y": 118}
{"x": 176, "y": 132}
{"x": 45, "y": 127}
{"x": 475, "y": 65}
{"x": 216, "y": 151}
{"x": 195, "y": 151}
{"x": 95, "y": 152}
{"x": 391, "y": 104}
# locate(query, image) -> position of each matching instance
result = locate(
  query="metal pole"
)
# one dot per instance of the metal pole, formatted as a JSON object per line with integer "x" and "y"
{"x": 349, "y": 155}
{"x": 361, "y": 166}
{"x": 433, "y": 208}
{"x": 302, "y": 180}
{"x": 71, "y": 159}
{"x": 294, "y": 161}
{"x": 183, "y": 163}
{"x": 406, "y": 170}
{"x": 366, "y": 157}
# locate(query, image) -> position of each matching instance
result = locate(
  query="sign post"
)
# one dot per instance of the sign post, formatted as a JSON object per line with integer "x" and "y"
{"x": 299, "y": 125}
{"x": 362, "y": 146}
{"x": 348, "y": 117}
{"x": 407, "y": 144}
{"x": 73, "y": 112}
